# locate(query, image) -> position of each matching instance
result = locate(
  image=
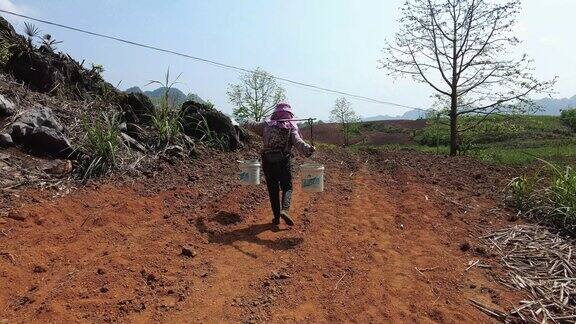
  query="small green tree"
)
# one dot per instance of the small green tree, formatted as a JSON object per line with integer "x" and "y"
{"x": 568, "y": 118}
{"x": 255, "y": 96}
{"x": 346, "y": 117}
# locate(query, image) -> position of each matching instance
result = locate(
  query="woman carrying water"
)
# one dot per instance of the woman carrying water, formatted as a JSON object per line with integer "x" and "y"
{"x": 279, "y": 133}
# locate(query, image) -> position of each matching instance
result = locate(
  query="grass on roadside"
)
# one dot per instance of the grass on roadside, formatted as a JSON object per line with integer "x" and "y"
{"x": 100, "y": 144}
{"x": 549, "y": 196}
{"x": 166, "y": 119}
{"x": 209, "y": 137}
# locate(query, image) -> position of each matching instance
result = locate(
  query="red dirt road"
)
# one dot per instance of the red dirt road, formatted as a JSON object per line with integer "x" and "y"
{"x": 382, "y": 243}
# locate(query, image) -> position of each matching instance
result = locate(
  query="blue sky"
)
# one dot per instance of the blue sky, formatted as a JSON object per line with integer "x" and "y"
{"x": 332, "y": 43}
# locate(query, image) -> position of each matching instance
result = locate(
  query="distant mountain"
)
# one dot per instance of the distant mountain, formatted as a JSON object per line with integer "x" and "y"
{"x": 409, "y": 115}
{"x": 548, "y": 107}
{"x": 553, "y": 107}
{"x": 177, "y": 97}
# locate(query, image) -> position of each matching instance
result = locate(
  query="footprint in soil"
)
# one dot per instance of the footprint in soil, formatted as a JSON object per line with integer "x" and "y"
{"x": 227, "y": 218}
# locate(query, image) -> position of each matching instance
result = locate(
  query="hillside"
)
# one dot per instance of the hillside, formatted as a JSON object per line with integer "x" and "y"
{"x": 409, "y": 115}
{"x": 553, "y": 107}
{"x": 177, "y": 97}
{"x": 384, "y": 132}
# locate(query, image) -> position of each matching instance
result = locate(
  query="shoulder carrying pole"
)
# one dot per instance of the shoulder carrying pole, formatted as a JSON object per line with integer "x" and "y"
{"x": 311, "y": 123}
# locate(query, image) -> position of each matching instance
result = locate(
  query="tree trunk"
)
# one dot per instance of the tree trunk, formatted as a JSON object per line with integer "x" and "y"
{"x": 454, "y": 142}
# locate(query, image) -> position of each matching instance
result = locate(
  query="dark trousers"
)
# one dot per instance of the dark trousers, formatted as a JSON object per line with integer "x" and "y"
{"x": 278, "y": 176}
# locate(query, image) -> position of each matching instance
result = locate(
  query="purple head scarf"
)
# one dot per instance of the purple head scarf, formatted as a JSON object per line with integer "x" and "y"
{"x": 282, "y": 111}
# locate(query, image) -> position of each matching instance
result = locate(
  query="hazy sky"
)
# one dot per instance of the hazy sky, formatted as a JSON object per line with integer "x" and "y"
{"x": 332, "y": 43}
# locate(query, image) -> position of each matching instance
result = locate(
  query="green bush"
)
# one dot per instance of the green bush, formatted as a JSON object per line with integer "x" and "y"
{"x": 568, "y": 118}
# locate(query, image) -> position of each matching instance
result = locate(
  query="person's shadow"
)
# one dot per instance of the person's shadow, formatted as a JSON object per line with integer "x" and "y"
{"x": 249, "y": 234}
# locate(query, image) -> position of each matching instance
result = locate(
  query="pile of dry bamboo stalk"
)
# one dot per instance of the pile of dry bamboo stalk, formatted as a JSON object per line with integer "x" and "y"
{"x": 541, "y": 263}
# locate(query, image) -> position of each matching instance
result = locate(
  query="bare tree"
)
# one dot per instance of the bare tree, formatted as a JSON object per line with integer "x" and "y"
{"x": 256, "y": 95}
{"x": 462, "y": 49}
{"x": 344, "y": 115}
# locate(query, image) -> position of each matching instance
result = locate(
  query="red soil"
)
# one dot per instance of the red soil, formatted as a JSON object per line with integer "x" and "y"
{"x": 112, "y": 252}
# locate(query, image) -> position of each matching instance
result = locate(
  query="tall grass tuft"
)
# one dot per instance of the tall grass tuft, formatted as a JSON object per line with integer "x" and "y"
{"x": 522, "y": 192}
{"x": 100, "y": 144}
{"x": 550, "y": 198}
{"x": 562, "y": 195}
{"x": 167, "y": 120}
{"x": 211, "y": 138}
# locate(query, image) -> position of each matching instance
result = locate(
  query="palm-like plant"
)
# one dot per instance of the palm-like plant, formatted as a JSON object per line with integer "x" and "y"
{"x": 31, "y": 31}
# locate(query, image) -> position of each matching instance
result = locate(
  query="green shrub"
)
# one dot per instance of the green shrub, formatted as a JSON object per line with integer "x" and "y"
{"x": 568, "y": 118}
{"x": 100, "y": 144}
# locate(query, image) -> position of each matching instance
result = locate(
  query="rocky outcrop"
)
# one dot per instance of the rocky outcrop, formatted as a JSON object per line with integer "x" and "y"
{"x": 137, "y": 108}
{"x": 39, "y": 130}
{"x": 6, "y": 107}
{"x": 6, "y": 140}
{"x": 200, "y": 118}
{"x": 44, "y": 70}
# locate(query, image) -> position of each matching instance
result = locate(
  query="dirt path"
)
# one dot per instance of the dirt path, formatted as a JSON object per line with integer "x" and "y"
{"x": 376, "y": 245}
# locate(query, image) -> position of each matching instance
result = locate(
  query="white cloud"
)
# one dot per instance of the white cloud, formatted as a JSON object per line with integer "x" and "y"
{"x": 15, "y": 6}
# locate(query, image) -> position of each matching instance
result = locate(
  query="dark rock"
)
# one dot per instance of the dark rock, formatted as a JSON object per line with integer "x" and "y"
{"x": 101, "y": 271}
{"x": 188, "y": 251}
{"x": 6, "y": 107}
{"x": 49, "y": 141}
{"x": 137, "y": 108}
{"x": 16, "y": 216}
{"x": 465, "y": 246}
{"x": 41, "y": 116}
{"x": 39, "y": 129}
{"x": 279, "y": 276}
{"x": 39, "y": 269}
{"x": 103, "y": 290}
{"x": 20, "y": 130}
{"x": 6, "y": 140}
{"x": 200, "y": 118}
